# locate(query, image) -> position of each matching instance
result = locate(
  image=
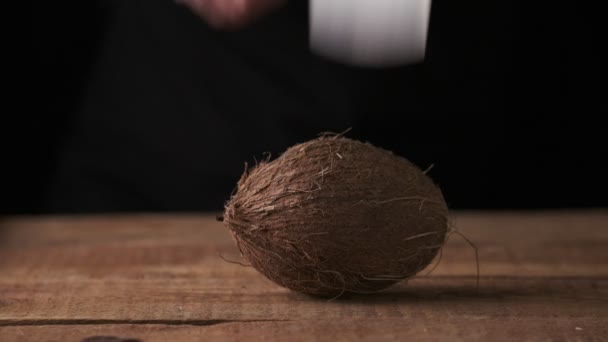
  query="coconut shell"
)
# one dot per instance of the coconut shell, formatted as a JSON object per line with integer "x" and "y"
{"x": 334, "y": 215}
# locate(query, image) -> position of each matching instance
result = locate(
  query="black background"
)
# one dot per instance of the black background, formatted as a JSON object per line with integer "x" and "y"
{"x": 507, "y": 107}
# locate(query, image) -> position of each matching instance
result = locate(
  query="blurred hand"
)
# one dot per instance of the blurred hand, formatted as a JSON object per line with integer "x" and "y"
{"x": 231, "y": 14}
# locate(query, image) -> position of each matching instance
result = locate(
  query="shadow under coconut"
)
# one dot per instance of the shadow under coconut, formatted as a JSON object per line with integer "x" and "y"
{"x": 445, "y": 289}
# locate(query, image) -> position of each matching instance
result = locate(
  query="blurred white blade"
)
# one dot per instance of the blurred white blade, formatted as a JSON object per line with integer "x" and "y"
{"x": 370, "y": 32}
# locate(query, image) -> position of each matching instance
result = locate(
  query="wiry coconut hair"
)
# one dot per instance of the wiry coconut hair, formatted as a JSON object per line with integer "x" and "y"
{"x": 334, "y": 215}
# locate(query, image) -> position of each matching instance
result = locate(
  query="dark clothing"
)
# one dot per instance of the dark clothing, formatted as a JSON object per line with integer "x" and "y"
{"x": 174, "y": 109}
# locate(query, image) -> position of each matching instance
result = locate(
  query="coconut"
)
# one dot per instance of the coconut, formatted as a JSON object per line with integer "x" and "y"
{"x": 334, "y": 215}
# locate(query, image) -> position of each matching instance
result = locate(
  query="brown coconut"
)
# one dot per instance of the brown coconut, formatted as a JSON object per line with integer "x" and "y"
{"x": 334, "y": 215}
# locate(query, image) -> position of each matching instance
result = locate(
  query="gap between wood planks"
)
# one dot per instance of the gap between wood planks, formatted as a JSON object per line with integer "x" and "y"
{"x": 198, "y": 322}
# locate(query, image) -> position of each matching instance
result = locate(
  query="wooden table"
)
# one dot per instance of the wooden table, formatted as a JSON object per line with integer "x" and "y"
{"x": 544, "y": 277}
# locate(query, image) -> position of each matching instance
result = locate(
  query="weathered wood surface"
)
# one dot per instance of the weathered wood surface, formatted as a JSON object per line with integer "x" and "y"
{"x": 544, "y": 276}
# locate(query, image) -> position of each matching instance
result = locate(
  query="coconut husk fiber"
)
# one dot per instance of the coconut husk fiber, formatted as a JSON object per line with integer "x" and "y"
{"x": 334, "y": 215}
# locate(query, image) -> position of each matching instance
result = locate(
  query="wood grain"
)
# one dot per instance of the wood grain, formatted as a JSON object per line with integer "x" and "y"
{"x": 417, "y": 329}
{"x": 544, "y": 276}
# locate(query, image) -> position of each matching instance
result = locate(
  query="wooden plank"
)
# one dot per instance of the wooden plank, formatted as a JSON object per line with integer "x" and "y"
{"x": 418, "y": 328}
{"x": 541, "y": 273}
{"x": 158, "y": 301}
{"x": 553, "y": 243}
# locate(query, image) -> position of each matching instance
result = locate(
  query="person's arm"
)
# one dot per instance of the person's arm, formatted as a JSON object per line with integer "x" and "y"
{"x": 231, "y": 14}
